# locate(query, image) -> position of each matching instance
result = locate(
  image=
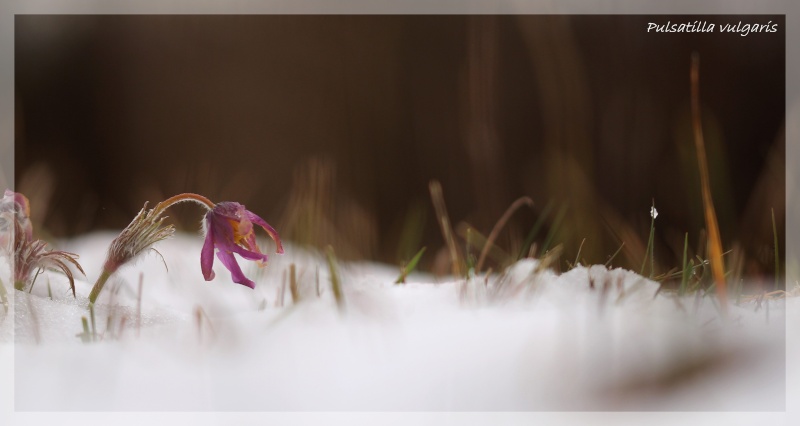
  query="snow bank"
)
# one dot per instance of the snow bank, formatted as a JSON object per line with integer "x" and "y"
{"x": 588, "y": 339}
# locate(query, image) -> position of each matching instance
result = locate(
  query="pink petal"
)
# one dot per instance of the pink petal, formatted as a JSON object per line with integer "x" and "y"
{"x": 237, "y": 275}
{"x": 249, "y": 255}
{"x": 207, "y": 254}
{"x": 270, "y": 230}
{"x": 22, "y": 201}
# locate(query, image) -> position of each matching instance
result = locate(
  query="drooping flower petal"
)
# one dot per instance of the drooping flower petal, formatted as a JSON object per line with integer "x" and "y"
{"x": 230, "y": 263}
{"x": 270, "y": 230}
{"x": 207, "y": 254}
{"x": 250, "y": 255}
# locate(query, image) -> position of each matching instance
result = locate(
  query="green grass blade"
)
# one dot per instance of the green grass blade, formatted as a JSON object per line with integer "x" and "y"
{"x": 457, "y": 262}
{"x": 516, "y": 205}
{"x": 476, "y": 240}
{"x": 649, "y": 251}
{"x": 554, "y": 229}
{"x": 412, "y": 264}
{"x": 336, "y": 283}
{"x": 535, "y": 230}
{"x": 86, "y": 336}
{"x": 686, "y": 271}
{"x": 608, "y": 262}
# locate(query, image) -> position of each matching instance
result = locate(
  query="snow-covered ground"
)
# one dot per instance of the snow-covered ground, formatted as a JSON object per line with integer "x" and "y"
{"x": 590, "y": 339}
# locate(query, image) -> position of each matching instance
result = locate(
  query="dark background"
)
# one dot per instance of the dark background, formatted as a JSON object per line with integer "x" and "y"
{"x": 331, "y": 128}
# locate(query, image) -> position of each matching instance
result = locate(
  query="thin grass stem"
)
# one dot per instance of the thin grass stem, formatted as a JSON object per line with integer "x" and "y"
{"x": 519, "y": 202}
{"x": 551, "y": 234}
{"x": 86, "y": 336}
{"x": 526, "y": 246}
{"x": 777, "y": 253}
{"x": 714, "y": 239}
{"x": 608, "y": 262}
{"x": 577, "y": 256}
{"x": 437, "y": 198}
{"x": 293, "y": 289}
{"x": 336, "y": 283}
{"x": 685, "y": 271}
{"x": 648, "y": 253}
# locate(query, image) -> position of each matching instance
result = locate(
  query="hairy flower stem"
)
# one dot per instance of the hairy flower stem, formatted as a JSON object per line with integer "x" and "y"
{"x": 144, "y": 231}
{"x": 98, "y": 285}
{"x": 187, "y": 196}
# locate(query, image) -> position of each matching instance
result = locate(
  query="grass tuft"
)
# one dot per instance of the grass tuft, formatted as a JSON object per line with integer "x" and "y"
{"x": 476, "y": 240}
{"x": 527, "y": 246}
{"x": 554, "y": 229}
{"x": 549, "y": 258}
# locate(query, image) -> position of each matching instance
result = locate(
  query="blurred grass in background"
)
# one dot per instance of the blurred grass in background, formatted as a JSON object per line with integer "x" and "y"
{"x": 332, "y": 127}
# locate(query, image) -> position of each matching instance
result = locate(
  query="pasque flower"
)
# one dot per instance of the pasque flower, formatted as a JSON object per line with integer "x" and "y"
{"x": 229, "y": 229}
{"x": 29, "y": 256}
{"x": 144, "y": 230}
{"x": 14, "y": 209}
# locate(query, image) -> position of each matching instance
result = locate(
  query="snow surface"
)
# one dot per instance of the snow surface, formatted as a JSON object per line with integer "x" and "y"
{"x": 528, "y": 340}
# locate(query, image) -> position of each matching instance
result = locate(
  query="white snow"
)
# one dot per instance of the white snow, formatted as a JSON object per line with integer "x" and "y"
{"x": 529, "y": 340}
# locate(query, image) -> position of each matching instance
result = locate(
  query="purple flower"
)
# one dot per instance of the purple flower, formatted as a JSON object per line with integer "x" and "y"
{"x": 229, "y": 229}
{"x": 32, "y": 256}
{"x": 15, "y": 212}
{"x": 29, "y": 256}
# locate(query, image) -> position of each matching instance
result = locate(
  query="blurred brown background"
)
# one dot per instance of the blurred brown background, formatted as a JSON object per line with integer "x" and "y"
{"x": 331, "y": 127}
